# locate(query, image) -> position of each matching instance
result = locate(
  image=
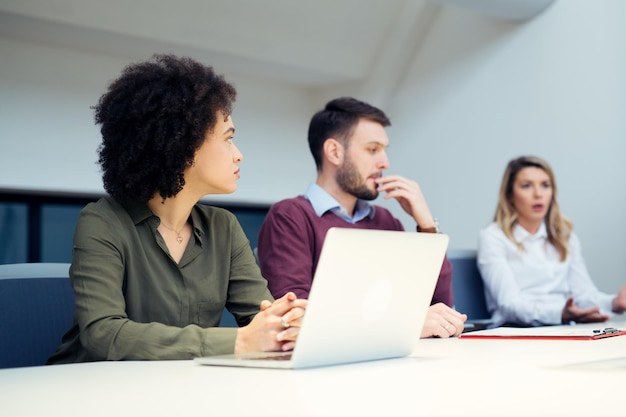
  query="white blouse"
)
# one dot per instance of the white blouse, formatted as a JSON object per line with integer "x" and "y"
{"x": 530, "y": 287}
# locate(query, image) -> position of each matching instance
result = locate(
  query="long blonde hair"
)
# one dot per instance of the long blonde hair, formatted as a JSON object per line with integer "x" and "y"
{"x": 558, "y": 226}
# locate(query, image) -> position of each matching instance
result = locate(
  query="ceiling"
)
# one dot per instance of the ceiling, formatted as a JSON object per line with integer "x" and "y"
{"x": 307, "y": 43}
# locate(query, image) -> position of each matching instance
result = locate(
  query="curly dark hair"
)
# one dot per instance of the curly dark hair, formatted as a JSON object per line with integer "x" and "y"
{"x": 153, "y": 119}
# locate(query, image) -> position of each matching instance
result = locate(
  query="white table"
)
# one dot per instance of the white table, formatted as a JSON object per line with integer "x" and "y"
{"x": 453, "y": 377}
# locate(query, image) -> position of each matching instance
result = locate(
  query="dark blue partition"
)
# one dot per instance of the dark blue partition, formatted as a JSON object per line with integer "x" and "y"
{"x": 39, "y": 226}
{"x": 14, "y": 232}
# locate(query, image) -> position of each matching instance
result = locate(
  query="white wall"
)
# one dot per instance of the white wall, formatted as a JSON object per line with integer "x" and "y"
{"x": 483, "y": 91}
{"x": 48, "y": 134}
{"x": 480, "y": 92}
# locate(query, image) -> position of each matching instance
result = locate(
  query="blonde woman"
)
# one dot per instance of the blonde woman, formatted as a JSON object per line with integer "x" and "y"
{"x": 530, "y": 258}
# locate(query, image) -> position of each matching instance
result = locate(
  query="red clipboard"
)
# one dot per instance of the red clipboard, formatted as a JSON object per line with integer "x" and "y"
{"x": 544, "y": 333}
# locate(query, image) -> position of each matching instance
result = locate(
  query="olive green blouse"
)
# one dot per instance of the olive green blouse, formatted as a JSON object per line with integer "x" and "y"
{"x": 133, "y": 301}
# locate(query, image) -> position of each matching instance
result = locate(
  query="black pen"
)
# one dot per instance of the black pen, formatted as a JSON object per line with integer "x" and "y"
{"x": 606, "y": 330}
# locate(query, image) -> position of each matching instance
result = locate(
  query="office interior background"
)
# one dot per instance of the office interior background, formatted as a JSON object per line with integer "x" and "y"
{"x": 467, "y": 84}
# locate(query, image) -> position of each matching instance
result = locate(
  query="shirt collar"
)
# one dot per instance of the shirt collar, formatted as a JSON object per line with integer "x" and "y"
{"x": 322, "y": 202}
{"x": 520, "y": 234}
{"x": 140, "y": 212}
{"x": 137, "y": 211}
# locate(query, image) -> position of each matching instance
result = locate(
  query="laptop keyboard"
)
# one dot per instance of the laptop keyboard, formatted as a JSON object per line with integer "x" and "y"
{"x": 283, "y": 357}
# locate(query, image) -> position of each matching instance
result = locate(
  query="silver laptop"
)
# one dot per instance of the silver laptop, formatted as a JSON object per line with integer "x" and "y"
{"x": 368, "y": 301}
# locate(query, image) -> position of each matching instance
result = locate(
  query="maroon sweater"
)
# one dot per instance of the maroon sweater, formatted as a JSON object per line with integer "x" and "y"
{"x": 290, "y": 243}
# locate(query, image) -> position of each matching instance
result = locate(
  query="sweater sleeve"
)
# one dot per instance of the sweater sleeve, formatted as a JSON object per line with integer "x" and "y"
{"x": 286, "y": 250}
{"x": 443, "y": 290}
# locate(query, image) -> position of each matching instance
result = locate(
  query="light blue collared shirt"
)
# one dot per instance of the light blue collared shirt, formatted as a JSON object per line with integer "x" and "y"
{"x": 323, "y": 202}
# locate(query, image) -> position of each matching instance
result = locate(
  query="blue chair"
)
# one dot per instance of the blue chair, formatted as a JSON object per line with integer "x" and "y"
{"x": 36, "y": 309}
{"x": 228, "y": 320}
{"x": 468, "y": 288}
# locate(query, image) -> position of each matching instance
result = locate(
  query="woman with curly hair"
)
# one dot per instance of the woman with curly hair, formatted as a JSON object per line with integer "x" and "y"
{"x": 530, "y": 258}
{"x": 152, "y": 269}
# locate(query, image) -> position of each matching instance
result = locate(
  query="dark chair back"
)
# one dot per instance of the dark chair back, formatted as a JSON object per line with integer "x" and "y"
{"x": 467, "y": 285}
{"x": 36, "y": 309}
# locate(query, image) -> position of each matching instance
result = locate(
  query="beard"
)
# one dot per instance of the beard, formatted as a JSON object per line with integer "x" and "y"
{"x": 349, "y": 180}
